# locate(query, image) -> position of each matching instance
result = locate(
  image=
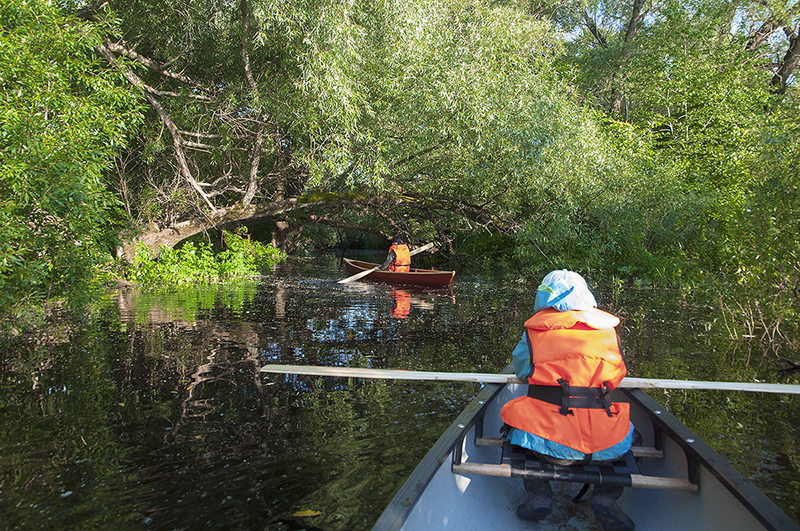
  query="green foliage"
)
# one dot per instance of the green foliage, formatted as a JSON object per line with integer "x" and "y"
{"x": 697, "y": 188}
{"x": 761, "y": 244}
{"x": 434, "y": 99}
{"x": 480, "y": 122}
{"x": 194, "y": 263}
{"x": 603, "y": 203}
{"x": 491, "y": 251}
{"x": 62, "y": 117}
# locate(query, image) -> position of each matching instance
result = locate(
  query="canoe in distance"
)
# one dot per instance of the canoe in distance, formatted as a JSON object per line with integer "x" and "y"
{"x": 434, "y": 497}
{"x": 422, "y": 277}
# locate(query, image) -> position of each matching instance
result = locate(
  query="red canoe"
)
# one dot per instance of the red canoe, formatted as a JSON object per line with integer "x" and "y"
{"x": 423, "y": 277}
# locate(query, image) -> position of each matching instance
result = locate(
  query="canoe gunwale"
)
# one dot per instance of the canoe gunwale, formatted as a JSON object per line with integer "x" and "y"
{"x": 697, "y": 450}
{"x": 403, "y": 502}
{"x": 698, "y": 454}
{"x": 363, "y": 266}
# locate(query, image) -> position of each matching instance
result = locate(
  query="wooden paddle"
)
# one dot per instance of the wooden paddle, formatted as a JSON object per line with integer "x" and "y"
{"x": 367, "y": 272}
{"x": 638, "y": 383}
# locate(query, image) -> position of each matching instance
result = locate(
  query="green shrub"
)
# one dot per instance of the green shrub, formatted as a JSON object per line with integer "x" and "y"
{"x": 194, "y": 263}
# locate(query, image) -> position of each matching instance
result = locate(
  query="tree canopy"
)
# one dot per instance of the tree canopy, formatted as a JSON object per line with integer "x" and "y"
{"x": 64, "y": 114}
{"x": 649, "y": 140}
{"x": 313, "y": 112}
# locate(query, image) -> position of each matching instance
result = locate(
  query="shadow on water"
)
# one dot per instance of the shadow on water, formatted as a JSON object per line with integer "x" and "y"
{"x": 155, "y": 416}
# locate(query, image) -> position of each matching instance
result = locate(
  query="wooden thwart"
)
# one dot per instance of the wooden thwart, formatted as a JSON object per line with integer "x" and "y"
{"x": 636, "y": 480}
{"x": 637, "y": 383}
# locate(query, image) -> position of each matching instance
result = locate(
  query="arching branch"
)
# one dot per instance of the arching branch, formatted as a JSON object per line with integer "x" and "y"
{"x": 177, "y": 140}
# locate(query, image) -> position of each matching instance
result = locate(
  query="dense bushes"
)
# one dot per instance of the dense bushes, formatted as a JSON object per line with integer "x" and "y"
{"x": 194, "y": 263}
{"x": 58, "y": 218}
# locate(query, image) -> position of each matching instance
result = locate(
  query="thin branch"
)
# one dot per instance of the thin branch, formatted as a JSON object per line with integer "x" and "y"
{"x": 791, "y": 60}
{"x": 248, "y": 73}
{"x": 155, "y": 66}
{"x": 255, "y": 160}
{"x": 177, "y": 141}
{"x": 592, "y": 27}
{"x": 762, "y": 34}
{"x": 633, "y": 24}
{"x": 255, "y": 154}
{"x": 197, "y": 145}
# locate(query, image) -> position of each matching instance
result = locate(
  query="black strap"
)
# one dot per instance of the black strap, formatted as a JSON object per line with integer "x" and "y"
{"x": 568, "y": 397}
{"x": 580, "y": 494}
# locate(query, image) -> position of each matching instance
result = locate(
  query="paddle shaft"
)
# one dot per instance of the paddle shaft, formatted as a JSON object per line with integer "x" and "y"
{"x": 358, "y": 275}
{"x": 367, "y": 272}
{"x": 637, "y": 383}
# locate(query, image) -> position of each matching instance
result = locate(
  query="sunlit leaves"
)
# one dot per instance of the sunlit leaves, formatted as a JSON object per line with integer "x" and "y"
{"x": 197, "y": 263}
{"x": 387, "y": 91}
{"x": 692, "y": 77}
{"x": 62, "y": 117}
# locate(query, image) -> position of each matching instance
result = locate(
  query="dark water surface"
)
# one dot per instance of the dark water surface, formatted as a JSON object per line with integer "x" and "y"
{"x": 155, "y": 416}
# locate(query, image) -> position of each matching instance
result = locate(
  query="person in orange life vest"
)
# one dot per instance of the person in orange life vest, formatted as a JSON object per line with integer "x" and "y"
{"x": 399, "y": 258}
{"x": 570, "y": 347}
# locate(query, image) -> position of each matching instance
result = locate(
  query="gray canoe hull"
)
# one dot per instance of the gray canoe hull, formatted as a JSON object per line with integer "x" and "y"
{"x": 436, "y": 498}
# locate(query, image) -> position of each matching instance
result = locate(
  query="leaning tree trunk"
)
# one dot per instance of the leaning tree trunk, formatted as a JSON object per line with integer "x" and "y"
{"x": 155, "y": 238}
{"x": 302, "y": 210}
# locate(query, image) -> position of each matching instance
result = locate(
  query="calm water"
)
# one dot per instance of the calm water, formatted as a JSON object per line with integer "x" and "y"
{"x": 155, "y": 416}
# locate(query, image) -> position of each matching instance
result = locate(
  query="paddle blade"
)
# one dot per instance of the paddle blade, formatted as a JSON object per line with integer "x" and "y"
{"x": 423, "y": 248}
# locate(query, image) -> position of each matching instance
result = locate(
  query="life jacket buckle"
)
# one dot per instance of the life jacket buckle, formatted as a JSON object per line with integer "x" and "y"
{"x": 565, "y": 394}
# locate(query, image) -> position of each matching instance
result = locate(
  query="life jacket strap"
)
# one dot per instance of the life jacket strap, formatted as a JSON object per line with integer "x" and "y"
{"x": 569, "y": 396}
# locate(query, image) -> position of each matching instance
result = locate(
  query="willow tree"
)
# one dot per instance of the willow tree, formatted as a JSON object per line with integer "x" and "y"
{"x": 63, "y": 116}
{"x": 413, "y": 117}
{"x": 702, "y": 83}
{"x": 621, "y": 50}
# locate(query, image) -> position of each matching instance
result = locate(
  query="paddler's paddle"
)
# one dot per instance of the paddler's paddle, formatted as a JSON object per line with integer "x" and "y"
{"x": 638, "y": 383}
{"x": 367, "y": 272}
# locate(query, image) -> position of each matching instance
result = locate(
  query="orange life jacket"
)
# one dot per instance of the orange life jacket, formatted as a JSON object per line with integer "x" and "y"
{"x": 577, "y": 351}
{"x": 402, "y": 258}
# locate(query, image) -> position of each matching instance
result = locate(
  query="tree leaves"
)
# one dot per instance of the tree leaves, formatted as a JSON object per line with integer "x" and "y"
{"x": 62, "y": 119}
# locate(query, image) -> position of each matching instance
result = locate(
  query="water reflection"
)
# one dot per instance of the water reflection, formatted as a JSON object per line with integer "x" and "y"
{"x": 404, "y": 297}
{"x": 319, "y": 434}
{"x": 156, "y": 416}
{"x": 402, "y": 303}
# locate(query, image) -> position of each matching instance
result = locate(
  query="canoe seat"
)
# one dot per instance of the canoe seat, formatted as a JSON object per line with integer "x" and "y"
{"x": 517, "y": 462}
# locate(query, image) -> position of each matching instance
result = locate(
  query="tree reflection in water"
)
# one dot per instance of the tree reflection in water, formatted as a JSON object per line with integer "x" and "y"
{"x": 155, "y": 415}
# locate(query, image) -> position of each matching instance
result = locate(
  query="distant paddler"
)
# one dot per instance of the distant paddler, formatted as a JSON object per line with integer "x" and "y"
{"x": 399, "y": 257}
